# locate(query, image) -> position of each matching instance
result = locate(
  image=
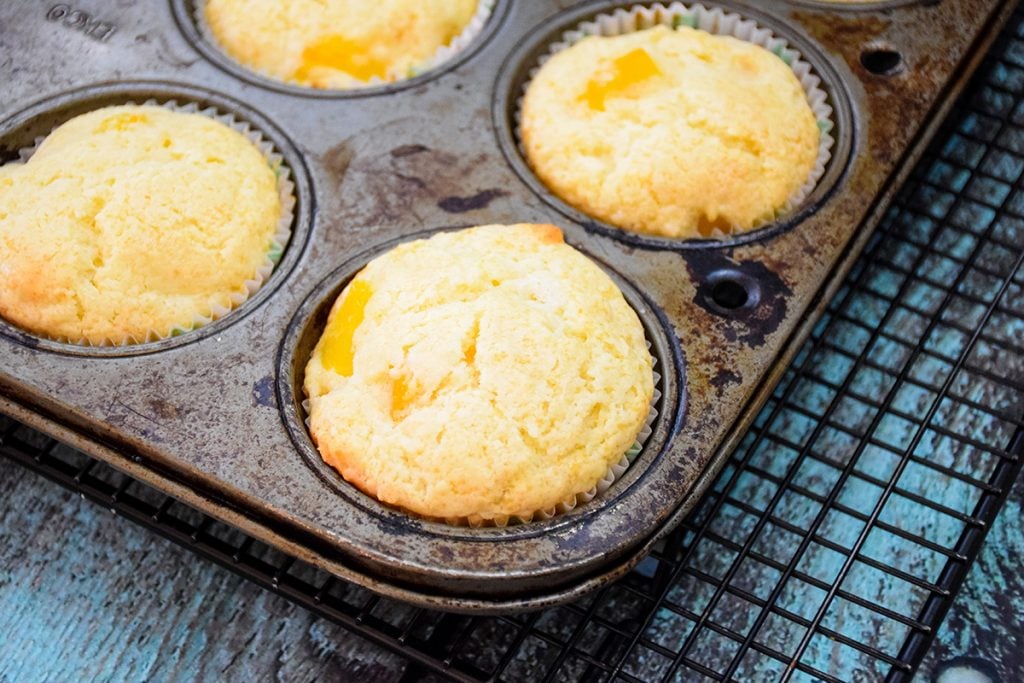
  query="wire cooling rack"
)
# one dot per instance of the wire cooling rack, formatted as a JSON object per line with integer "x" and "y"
{"x": 833, "y": 543}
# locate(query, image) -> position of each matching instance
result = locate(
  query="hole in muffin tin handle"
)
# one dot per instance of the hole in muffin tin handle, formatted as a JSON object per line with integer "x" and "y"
{"x": 881, "y": 60}
{"x": 730, "y": 292}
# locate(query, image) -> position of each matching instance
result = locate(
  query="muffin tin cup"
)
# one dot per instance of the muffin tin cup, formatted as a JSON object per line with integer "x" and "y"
{"x": 295, "y": 390}
{"x": 452, "y": 558}
{"x": 278, "y": 242}
{"x": 444, "y": 54}
{"x": 719, "y": 22}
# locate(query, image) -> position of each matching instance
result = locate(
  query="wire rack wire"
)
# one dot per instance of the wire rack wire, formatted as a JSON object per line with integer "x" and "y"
{"x": 832, "y": 544}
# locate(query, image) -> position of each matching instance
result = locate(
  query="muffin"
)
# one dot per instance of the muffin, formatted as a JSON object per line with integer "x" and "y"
{"x": 671, "y": 132}
{"x": 335, "y": 43}
{"x": 129, "y": 223}
{"x": 478, "y": 375}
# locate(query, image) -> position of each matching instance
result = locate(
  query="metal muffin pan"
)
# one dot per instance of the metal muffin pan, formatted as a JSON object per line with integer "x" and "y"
{"x": 213, "y": 416}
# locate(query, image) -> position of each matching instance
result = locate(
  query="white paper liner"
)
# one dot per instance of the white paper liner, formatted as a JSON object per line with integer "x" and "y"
{"x": 568, "y": 503}
{"x": 718, "y": 22}
{"x": 279, "y": 240}
{"x": 443, "y": 54}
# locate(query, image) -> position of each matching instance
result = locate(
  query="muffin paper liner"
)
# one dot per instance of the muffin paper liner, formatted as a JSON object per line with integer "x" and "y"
{"x": 718, "y": 22}
{"x": 460, "y": 42}
{"x": 569, "y": 502}
{"x": 278, "y": 241}
{"x": 443, "y": 54}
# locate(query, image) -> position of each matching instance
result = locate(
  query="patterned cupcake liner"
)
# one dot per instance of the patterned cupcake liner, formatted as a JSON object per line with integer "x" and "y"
{"x": 569, "y": 502}
{"x": 443, "y": 54}
{"x": 278, "y": 242}
{"x": 719, "y": 22}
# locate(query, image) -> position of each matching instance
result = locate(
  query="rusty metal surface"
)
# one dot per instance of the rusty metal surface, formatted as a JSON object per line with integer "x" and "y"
{"x": 213, "y": 417}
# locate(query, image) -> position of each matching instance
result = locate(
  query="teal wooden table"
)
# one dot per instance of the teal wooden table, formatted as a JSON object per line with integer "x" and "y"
{"x": 85, "y": 595}
{"x": 822, "y": 550}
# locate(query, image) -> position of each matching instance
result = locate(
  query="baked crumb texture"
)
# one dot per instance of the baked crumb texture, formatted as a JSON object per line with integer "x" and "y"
{"x": 482, "y": 374}
{"x": 335, "y": 43}
{"x": 671, "y": 132}
{"x": 129, "y": 223}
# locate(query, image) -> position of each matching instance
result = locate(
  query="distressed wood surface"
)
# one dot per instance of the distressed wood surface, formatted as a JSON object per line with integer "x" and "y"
{"x": 984, "y": 630}
{"x": 86, "y": 595}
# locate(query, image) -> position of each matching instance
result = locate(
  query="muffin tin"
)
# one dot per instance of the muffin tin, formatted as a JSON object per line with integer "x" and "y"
{"x": 214, "y": 416}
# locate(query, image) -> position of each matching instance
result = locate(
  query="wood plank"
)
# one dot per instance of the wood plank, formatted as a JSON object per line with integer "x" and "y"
{"x": 85, "y": 595}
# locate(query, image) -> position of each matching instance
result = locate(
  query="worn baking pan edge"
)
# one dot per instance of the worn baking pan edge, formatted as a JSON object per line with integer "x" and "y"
{"x": 292, "y": 540}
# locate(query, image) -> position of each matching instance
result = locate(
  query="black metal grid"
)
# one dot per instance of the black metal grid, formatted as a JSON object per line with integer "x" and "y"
{"x": 832, "y": 545}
